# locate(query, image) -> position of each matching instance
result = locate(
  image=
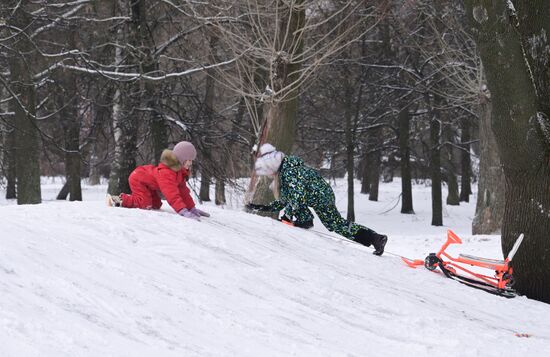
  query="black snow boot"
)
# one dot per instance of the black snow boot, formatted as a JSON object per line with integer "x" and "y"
{"x": 367, "y": 237}
{"x": 379, "y": 242}
{"x": 306, "y": 224}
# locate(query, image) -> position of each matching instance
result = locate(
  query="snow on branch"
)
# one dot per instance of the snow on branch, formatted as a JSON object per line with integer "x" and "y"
{"x": 107, "y": 19}
{"x": 177, "y": 122}
{"x": 66, "y": 4}
{"x": 62, "y": 17}
{"x": 131, "y": 76}
{"x": 175, "y": 38}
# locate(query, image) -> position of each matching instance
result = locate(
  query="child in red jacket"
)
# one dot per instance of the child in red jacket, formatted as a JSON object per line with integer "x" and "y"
{"x": 168, "y": 177}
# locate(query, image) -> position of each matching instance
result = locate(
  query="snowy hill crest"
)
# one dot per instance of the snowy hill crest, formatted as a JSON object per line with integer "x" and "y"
{"x": 81, "y": 279}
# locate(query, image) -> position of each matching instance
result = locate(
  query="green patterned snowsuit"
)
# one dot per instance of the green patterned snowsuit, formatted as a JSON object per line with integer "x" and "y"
{"x": 302, "y": 187}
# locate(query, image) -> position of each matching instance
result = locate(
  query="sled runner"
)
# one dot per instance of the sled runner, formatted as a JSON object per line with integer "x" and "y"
{"x": 499, "y": 284}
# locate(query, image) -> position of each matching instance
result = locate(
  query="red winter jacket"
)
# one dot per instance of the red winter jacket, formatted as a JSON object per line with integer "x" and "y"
{"x": 170, "y": 178}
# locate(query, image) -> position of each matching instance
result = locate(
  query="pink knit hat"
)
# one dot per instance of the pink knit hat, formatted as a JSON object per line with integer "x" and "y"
{"x": 184, "y": 151}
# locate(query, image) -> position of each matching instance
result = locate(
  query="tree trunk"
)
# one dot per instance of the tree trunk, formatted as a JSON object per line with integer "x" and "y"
{"x": 124, "y": 162}
{"x": 27, "y": 145}
{"x": 204, "y": 192}
{"x": 220, "y": 192}
{"x": 11, "y": 163}
{"x": 233, "y": 157}
{"x": 448, "y": 162}
{"x": 125, "y": 126}
{"x": 94, "y": 177}
{"x": 9, "y": 152}
{"x": 350, "y": 170}
{"x": 279, "y": 131}
{"x": 279, "y": 126}
{"x": 101, "y": 115}
{"x": 514, "y": 51}
{"x": 212, "y": 156}
{"x": 375, "y": 145}
{"x": 70, "y": 121}
{"x": 526, "y": 211}
{"x": 64, "y": 192}
{"x": 452, "y": 185}
{"x": 149, "y": 64}
{"x": 27, "y": 142}
{"x": 365, "y": 178}
{"x": 350, "y": 147}
{"x": 374, "y": 174}
{"x": 159, "y": 133}
{"x": 435, "y": 172}
{"x": 221, "y": 154}
{"x": 490, "y": 192}
{"x": 465, "y": 182}
{"x": 405, "y": 153}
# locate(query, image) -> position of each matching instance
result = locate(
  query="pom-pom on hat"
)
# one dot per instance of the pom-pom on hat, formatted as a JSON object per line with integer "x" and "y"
{"x": 184, "y": 151}
{"x": 269, "y": 161}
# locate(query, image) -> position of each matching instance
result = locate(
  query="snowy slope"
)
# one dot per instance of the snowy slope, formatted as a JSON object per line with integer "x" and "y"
{"x": 81, "y": 279}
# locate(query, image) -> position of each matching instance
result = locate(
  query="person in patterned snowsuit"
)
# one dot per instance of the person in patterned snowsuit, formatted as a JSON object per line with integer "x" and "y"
{"x": 298, "y": 187}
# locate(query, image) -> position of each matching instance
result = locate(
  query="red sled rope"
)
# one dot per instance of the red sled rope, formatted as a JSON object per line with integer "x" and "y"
{"x": 500, "y": 283}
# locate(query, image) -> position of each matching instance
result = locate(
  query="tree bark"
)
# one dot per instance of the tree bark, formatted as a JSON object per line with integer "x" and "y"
{"x": 64, "y": 192}
{"x": 450, "y": 172}
{"x": 94, "y": 177}
{"x": 101, "y": 114}
{"x": 149, "y": 64}
{"x": 70, "y": 121}
{"x": 405, "y": 153}
{"x": 124, "y": 162}
{"x": 220, "y": 192}
{"x": 11, "y": 163}
{"x": 350, "y": 147}
{"x": 350, "y": 170}
{"x": 220, "y": 153}
{"x": 465, "y": 182}
{"x": 490, "y": 192}
{"x": 27, "y": 143}
{"x": 204, "y": 192}
{"x": 435, "y": 172}
{"x": 375, "y": 162}
{"x": 9, "y": 152}
{"x": 514, "y": 49}
{"x": 125, "y": 126}
{"x": 211, "y": 156}
{"x": 232, "y": 158}
{"x": 365, "y": 178}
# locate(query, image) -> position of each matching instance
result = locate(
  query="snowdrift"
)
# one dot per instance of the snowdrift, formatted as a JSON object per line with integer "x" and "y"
{"x": 82, "y": 279}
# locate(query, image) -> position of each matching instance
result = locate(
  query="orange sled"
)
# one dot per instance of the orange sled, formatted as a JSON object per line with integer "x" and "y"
{"x": 499, "y": 284}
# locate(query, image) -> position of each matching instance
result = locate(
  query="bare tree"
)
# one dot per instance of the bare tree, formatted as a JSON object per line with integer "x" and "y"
{"x": 288, "y": 43}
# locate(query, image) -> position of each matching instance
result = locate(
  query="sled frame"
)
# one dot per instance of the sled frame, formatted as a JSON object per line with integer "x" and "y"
{"x": 502, "y": 278}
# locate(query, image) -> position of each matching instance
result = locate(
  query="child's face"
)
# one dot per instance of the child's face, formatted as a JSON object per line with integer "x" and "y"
{"x": 187, "y": 164}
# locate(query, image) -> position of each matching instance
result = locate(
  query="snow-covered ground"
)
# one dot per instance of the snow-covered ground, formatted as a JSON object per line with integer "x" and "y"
{"x": 82, "y": 279}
